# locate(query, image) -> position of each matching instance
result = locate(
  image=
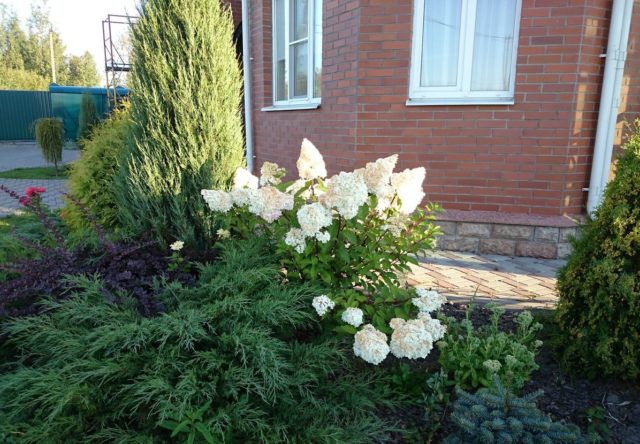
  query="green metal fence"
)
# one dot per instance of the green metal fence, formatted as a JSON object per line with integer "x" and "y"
{"x": 19, "y": 110}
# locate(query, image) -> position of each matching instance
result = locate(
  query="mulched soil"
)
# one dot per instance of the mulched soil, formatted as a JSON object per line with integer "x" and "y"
{"x": 566, "y": 399}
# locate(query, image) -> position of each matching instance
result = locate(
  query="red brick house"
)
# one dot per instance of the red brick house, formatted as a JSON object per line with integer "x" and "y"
{"x": 504, "y": 102}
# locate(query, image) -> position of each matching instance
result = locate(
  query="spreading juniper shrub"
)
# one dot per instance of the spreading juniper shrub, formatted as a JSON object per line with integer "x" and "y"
{"x": 128, "y": 268}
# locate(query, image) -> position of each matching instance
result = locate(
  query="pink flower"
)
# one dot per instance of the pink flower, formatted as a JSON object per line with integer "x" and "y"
{"x": 32, "y": 191}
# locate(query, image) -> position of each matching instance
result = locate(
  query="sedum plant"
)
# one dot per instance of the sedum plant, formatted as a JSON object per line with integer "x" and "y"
{"x": 472, "y": 355}
{"x": 495, "y": 415}
{"x": 599, "y": 287}
{"x": 185, "y": 114}
{"x": 232, "y": 354}
{"x": 355, "y": 233}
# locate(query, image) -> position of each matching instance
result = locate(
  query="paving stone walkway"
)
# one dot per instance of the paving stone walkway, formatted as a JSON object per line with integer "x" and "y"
{"x": 514, "y": 282}
{"x": 28, "y": 155}
{"x": 53, "y": 197}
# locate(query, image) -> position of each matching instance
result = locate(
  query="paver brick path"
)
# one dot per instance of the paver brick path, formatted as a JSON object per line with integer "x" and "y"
{"x": 514, "y": 282}
{"x": 53, "y": 197}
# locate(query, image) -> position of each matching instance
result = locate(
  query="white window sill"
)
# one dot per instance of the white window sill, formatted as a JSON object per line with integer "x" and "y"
{"x": 292, "y": 107}
{"x": 460, "y": 101}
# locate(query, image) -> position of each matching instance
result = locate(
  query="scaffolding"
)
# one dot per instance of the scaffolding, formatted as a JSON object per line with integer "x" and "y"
{"x": 116, "y": 57}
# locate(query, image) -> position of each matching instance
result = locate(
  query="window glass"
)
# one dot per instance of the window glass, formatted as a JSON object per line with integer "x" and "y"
{"x": 300, "y": 69}
{"x": 317, "y": 49}
{"x": 441, "y": 42}
{"x": 300, "y": 16}
{"x": 493, "y": 45}
{"x": 280, "y": 51}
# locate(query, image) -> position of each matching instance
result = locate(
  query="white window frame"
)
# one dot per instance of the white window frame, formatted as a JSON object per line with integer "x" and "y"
{"x": 300, "y": 102}
{"x": 460, "y": 94}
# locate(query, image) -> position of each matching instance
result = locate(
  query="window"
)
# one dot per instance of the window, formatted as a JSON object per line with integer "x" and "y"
{"x": 297, "y": 52}
{"x": 464, "y": 51}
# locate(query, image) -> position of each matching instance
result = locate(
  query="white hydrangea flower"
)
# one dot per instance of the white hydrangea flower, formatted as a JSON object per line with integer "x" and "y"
{"x": 177, "y": 245}
{"x": 217, "y": 200}
{"x": 410, "y": 339}
{"x": 436, "y": 328}
{"x": 295, "y": 238}
{"x": 244, "y": 179}
{"x": 272, "y": 203}
{"x": 310, "y": 163}
{"x": 428, "y": 300}
{"x": 244, "y": 197}
{"x": 322, "y": 304}
{"x": 346, "y": 193}
{"x": 313, "y": 217}
{"x": 223, "y": 234}
{"x": 376, "y": 175}
{"x": 371, "y": 345}
{"x": 408, "y": 186}
{"x": 353, "y": 316}
{"x": 323, "y": 237}
{"x": 270, "y": 174}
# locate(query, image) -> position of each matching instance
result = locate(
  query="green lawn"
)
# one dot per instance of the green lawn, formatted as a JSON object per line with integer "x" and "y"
{"x": 36, "y": 173}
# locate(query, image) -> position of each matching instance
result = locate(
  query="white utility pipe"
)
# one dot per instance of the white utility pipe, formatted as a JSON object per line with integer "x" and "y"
{"x": 246, "y": 70}
{"x": 609, "y": 100}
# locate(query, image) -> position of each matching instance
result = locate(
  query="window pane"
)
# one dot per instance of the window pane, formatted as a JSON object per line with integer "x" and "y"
{"x": 441, "y": 42}
{"x": 317, "y": 49}
{"x": 300, "y": 53}
{"x": 300, "y": 15}
{"x": 280, "y": 83}
{"x": 493, "y": 45}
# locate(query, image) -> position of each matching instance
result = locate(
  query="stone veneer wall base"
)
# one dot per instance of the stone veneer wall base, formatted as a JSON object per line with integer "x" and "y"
{"x": 506, "y": 234}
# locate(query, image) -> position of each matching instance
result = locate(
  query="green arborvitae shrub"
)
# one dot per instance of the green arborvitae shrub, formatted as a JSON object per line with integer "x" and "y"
{"x": 498, "y": 416}
{"x": 599, "y": 308}
{"x": 87, "y": 119}
{"x": 187, "y": 128}
{"x": 50, "y": 137}
{"x": 92, "y": 177}
{"x": 239, "y": 340}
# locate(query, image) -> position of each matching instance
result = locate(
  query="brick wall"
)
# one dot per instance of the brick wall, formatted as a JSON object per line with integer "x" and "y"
{"x": 531, "y": 157}
{"x": 278, "y": 135}
{"x": 236, "y": 9}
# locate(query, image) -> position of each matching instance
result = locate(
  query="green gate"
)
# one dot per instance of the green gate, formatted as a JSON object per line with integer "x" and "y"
{"x": 19, "y": 110}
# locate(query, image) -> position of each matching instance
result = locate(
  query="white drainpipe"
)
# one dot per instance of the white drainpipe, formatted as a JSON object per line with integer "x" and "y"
{"x": 246, "y": 64}
{"x": 609, "y": 100}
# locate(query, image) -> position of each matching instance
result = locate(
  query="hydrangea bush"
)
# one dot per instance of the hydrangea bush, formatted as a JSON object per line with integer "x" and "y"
{"x": 356, "y": 232}
{"x": 359, "y": 228}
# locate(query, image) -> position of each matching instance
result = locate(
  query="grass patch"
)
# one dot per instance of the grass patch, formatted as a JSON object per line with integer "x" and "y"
{"x": 36, "y": 173}
{"x": 28, "y": 227}
{"x": 11, "y": 248}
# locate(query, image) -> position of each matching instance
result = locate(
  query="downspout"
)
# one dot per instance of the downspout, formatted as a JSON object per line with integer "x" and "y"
{"x": 246, "y": 70}
{"x": 609, "y": 100}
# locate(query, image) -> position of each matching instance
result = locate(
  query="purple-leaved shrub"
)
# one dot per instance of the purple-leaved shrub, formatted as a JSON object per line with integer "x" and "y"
{"x": 126, "y": 268}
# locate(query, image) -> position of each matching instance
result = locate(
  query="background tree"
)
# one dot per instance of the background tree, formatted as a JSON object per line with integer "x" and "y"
{"x": 87, "y": 118}
{"x": 187, "y": 129}
{"x": 25, "y": 60}
{"x": 82, "y": 70}
{"x": 22, "y": 80}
